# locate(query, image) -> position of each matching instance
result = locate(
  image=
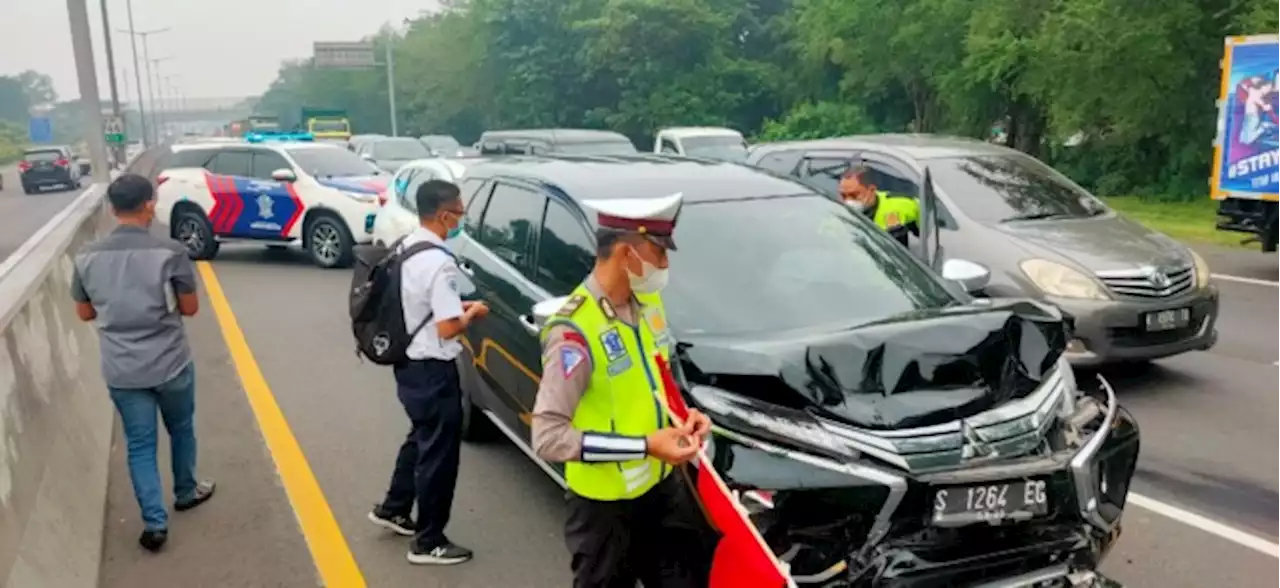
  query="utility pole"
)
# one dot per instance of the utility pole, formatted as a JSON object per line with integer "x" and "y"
{"x": 146, "y": 57}
{"x": 391, "y": 80}
{"x": 117, "y": 150}
{"x": 87, "y": 76}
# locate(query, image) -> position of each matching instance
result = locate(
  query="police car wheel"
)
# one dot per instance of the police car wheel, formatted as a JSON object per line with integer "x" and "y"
{"x": 475, "y": 425}
{"x": 329, "y": 242}
{"x": 193, "y": 230}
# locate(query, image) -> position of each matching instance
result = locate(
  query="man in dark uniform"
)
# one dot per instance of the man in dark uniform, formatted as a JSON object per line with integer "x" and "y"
{"x": 600, "y": 411}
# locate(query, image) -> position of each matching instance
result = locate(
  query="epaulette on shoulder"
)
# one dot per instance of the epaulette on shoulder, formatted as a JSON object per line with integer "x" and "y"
{"x": 571, "y": 305}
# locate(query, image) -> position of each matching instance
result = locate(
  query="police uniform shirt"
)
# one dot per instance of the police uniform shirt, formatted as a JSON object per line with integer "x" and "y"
{"x": 566, "y": 374}
{"x": 429, "y": 284}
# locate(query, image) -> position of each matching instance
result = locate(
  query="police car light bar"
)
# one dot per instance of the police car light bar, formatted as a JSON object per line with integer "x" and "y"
{"x": 263, "y": 136}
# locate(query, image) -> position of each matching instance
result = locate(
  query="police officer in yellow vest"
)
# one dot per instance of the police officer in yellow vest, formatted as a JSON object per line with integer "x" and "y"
{"x": 898, "y": 215}
{"x": 599, "y": 412}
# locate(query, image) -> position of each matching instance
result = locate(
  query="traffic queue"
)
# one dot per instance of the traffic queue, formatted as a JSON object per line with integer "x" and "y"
{"x": 741, "y": 376}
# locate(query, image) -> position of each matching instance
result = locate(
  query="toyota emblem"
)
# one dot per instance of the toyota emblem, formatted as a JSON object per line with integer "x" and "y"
{"x": 1158, "y": 278}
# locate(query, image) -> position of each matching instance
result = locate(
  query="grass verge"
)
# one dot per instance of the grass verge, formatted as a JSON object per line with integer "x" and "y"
{"x": 1191, "y": 222}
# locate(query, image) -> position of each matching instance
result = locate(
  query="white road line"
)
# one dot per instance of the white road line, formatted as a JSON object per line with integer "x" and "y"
{"x": 1212, "y": 527}
{"x": 1242, "y": 280}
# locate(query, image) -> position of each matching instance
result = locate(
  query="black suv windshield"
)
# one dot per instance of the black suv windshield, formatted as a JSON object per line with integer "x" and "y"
{"x": 788, "y": 263}
{"x": 328, "y": 162}
{"x": 1004, "y": 188}
{"x": 400, "y": 149}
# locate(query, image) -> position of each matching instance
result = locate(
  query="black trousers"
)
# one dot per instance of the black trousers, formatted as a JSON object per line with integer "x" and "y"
{"x": 660, "y": 539}
{"x": 427, "y": 466}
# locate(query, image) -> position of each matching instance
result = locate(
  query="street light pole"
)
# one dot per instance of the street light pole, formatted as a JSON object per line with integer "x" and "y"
{"x": 391, "y": 80}
{"x": 146, "y": 57}
{"x": 87, "y": 76}
{"x": 137, "y": 72}
{"x": 157, "y": 101}
{"x": 118, "y": 150}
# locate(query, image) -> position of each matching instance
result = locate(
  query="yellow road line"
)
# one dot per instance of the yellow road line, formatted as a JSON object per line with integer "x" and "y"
{"x": 333, "y": 558}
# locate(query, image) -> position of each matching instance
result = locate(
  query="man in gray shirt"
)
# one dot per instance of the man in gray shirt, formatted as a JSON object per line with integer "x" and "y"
{"x": 137, "y": 287}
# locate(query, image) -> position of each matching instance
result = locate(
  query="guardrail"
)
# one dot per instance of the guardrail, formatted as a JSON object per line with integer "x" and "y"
{"x": 56, "y": 417}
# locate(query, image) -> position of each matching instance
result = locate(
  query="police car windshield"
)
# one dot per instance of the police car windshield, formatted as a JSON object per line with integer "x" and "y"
{"x": 329, "y": 162}
{"x": 789, "y": 263}
{"x": 405, "y": 148}
{"x": 1010, "y": 188}
{"x": 724, "y": 148}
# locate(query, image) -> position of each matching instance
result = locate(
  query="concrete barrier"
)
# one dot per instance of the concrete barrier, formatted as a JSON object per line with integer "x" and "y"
{"x": 56, "y": 417}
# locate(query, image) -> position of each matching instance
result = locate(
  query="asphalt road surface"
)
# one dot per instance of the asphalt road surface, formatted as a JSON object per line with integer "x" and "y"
{"x": 1207, "y": 474}
{"x": 21, "y": 215}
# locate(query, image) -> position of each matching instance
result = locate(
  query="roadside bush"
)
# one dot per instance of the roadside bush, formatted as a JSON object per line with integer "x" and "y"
{"x": 12, "y": 140}
{"x": 817, "y": 120}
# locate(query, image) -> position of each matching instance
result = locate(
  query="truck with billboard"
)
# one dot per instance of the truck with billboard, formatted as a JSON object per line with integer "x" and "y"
{"x": 1246, "y": 161}
{"x": 326, "y": 124}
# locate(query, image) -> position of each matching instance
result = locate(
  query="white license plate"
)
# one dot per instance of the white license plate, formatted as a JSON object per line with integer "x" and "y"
{"x": 992, "y": 503}
{"x": 1167, "y": 320}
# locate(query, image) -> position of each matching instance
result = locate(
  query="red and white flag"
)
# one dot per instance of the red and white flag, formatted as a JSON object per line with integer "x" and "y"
{"x": 742, "y": 558}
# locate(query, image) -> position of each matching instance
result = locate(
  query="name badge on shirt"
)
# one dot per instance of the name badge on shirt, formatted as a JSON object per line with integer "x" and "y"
{"x": 615, "y": 351}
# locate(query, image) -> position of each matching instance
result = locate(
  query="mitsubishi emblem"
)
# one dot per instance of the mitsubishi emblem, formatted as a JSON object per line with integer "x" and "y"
{"x": 974, "y": 446}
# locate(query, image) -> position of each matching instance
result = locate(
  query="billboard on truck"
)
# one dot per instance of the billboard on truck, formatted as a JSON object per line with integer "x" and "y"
{"x": 1246, "y": 162}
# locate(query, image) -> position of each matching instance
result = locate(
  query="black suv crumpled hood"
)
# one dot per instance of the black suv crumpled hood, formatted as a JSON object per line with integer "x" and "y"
{"x": 913, "y": 370}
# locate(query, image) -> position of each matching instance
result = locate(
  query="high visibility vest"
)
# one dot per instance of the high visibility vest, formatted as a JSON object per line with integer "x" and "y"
{"x": 895, "y": 211}
{"x": 624, "y": 394}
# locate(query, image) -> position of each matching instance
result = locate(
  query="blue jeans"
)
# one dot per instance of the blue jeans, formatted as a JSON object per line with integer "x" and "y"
{"x": 176, "y": 401}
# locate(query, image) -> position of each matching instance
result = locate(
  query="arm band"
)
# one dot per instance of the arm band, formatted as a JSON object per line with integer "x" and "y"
{"x": 598, "y": 447}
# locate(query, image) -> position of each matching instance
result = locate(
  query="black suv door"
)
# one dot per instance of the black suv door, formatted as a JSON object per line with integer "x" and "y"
{"x": 498, "y": 258}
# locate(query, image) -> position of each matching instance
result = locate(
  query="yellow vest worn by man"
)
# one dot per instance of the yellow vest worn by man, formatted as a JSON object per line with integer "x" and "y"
{"x": 622, "y": 402}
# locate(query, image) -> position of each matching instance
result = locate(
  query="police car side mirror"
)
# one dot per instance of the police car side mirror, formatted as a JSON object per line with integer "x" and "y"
{"x": 542, "y": 311}
{"x": 971, "y": 276}
{"x": 283, "y": 175}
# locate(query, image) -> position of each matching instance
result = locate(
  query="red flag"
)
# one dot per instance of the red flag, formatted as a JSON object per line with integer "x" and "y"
{"x": 742, "y": 558}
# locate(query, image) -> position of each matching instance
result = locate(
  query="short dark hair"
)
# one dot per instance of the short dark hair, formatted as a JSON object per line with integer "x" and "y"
{"x": 607, "y": 239}
{"x": 433, "y": 194}
{"x": 129, "y": 192}
{"x": 858, "y": 172}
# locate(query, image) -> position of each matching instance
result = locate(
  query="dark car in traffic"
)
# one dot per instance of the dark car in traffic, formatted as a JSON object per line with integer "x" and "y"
{"x": 885, "y": 427}
{"x": 547, "y": 141}
{"x": 44, "y": 167}
{"x": 1134, "y": 294}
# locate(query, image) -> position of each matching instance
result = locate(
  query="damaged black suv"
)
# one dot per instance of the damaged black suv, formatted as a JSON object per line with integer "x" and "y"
{"x": 884, "y": 427}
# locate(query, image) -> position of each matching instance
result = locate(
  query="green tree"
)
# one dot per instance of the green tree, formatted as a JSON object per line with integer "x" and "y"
{"x": 38, "y": 87}
{"x": 13, "y": 101}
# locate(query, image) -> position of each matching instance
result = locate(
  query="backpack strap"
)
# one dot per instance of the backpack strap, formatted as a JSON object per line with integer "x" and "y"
{"x": 410, "y": 251}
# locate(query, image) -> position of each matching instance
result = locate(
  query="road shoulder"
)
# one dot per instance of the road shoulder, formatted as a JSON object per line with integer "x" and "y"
{"x": 247, "y": 535}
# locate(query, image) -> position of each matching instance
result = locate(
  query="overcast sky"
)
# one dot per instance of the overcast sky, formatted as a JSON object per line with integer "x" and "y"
{"x": 219, "y": 48}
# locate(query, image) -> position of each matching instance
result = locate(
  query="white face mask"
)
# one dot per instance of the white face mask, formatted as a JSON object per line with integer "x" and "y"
{"x": 652, "y": 278}
{"x": 858, "y": 205}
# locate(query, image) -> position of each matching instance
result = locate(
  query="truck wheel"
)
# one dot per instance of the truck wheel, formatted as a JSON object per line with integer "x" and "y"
{"x": 329, "y": 242}
{"x": 192, "y": 229}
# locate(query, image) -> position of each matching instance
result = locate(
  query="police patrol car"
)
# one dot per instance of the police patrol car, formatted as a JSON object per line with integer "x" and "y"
{"x": 279, "y": 188}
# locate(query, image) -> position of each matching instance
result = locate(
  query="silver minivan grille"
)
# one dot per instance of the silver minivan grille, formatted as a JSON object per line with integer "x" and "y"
{"x": 1149, "y": 282}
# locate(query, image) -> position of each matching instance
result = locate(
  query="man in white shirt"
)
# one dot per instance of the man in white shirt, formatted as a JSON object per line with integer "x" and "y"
{"x": 426, "y": 469}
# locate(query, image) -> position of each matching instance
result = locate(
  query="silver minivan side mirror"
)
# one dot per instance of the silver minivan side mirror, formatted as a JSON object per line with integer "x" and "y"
{"x": 970, "y": 275}
{"x": 542, "y": 311}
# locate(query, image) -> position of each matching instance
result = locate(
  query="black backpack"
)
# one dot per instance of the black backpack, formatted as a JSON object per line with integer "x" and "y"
{"x": 377, "y": 315}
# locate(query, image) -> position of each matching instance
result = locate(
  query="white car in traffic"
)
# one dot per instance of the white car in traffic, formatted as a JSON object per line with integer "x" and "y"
{"x": 399, "y": 215}
{"x": 314, "y": 196}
